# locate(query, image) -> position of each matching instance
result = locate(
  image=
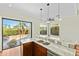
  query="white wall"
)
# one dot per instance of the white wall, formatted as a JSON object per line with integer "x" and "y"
{"x": 69, "y": 29}
{"x": 35, "y": 26}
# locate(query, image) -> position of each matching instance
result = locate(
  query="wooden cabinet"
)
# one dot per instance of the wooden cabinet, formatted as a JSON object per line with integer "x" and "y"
{"x": 33, "y": 49}
{"x": 38, "y": 50}
{"x": 27, "y": 49}
{"x": 77, "y": 50}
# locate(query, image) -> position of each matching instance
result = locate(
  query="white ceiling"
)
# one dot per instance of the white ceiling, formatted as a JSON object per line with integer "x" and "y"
{"x": 33, "y": 9}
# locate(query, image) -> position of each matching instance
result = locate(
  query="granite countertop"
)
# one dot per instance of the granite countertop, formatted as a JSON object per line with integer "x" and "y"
{"x": 58, "y": 49}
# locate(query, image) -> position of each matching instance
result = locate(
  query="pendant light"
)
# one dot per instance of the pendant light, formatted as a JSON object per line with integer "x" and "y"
{"x": 48, "y": 11}
{"x": 41, "y": 13}
{"x": 48, "y": 18}
{"x": 59, "y": 16}
{"x": 58, "y": 11}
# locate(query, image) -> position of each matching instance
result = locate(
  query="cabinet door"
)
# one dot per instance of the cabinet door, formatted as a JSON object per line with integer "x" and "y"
{"x": 39, "y": 50}
{"x": 27, "y": 49}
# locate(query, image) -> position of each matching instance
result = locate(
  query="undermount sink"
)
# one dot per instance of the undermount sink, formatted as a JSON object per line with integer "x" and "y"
{"x": 43, "y": 42}
{"x": 46, "y": 43}
{"x": 40, "y": 41}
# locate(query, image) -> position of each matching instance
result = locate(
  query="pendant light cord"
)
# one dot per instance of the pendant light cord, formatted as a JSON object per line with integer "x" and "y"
{"x": 48, "y": 11}
{"x": 41, "y": 13}
{"x": 58, "y": 11}
{"x": 48, "y": 18}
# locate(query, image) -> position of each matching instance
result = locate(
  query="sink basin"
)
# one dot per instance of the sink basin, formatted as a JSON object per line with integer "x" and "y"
{"x": 43, "y": 42}
{"x": 40, "y": 41}
{"x": 46, "y": 43}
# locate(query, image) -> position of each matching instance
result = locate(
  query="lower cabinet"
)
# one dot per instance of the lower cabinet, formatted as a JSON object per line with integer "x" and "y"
{"x": 27, "y": 49}
{"x": 33, "y": 49}
{"x": 38, "y": 50}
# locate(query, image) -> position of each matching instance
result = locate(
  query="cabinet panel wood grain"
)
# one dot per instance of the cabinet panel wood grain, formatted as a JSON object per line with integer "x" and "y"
{"x": 33, "y": 49}
{"x": 27, "y": 49}
{"x": 39, "y": 50}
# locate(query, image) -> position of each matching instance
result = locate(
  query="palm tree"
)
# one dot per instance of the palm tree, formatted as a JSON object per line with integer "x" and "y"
{"x": 18, "y": 27}
{"x": 23, "y": 27}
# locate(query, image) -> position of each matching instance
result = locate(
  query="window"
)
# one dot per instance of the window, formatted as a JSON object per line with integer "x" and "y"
{"x": 13, "y": 31}
{"x": 54, "y": 29}
{"x": 43, "y": 30}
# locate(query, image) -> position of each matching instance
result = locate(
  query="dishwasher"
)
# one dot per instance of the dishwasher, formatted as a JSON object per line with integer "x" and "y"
{"x": 51, "y": 53}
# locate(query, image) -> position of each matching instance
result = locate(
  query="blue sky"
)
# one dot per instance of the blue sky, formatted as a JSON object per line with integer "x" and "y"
{"x": 10, "y": 22}
{"x": 13, "y": 22}
{"x": 28, "y": 24}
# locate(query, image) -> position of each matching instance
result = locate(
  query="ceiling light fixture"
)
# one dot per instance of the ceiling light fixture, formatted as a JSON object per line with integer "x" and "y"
{"x": 48, "y": 18}
{"x": 41, "y": 13}
{"x": 58, "y": 16}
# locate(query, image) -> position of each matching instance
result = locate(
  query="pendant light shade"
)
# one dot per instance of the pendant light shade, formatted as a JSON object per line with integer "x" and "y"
{"x": 58, "y": 16}
{"x": 41, "y": 13}
{"x": 48, "y": 13}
